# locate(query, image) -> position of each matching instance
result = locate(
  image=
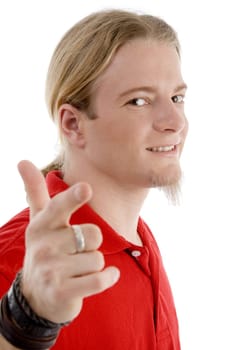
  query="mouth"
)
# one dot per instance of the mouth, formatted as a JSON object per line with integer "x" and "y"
{"x": 169, "y": 148}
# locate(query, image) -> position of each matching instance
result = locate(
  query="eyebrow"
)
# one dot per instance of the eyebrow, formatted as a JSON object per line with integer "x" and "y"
{"x": 182, "y": 86}
{"x": 151, "y": 89}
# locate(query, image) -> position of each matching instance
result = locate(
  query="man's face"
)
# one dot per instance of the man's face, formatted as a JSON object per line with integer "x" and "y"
{"x": 140, "y": 129}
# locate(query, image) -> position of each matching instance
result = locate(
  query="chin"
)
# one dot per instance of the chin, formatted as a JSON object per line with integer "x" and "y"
{"x": 169, "y": 182}
{"x": 167, "y": 176}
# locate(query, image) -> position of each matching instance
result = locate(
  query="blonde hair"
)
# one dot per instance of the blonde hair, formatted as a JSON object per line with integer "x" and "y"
{"x": 87, "y": 49}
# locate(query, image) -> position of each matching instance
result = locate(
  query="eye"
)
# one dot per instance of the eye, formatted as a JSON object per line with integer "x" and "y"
{"x": 138, "y": 102}
{"x": 178, "y": 98}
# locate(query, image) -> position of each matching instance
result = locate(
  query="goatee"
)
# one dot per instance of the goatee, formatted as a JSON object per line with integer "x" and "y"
{"x": 170, "y": 186}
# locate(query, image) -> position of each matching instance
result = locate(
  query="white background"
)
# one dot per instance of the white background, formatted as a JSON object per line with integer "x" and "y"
{"x": 195, "y": 238}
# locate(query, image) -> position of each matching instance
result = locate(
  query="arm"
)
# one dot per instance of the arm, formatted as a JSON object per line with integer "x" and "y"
{"x": 55, "y": 278}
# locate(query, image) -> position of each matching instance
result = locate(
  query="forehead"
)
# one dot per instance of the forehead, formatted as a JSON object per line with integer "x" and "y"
{"x": 141, "y": 62}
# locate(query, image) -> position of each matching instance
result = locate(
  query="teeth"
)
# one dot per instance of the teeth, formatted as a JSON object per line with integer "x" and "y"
{"x": 162, "y": 149}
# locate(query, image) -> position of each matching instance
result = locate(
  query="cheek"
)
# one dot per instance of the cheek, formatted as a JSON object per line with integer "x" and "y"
{"x": 104, "y": 140}
{"x": 186, "y": 128}
{"x": 113, "y": 132}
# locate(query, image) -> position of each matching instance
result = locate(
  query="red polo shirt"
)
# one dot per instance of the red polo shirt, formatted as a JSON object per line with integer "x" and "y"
{"x": 137, "y": 313}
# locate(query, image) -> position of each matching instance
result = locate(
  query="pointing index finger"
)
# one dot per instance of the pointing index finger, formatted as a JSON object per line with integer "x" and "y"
{"x": 35, "y": 186}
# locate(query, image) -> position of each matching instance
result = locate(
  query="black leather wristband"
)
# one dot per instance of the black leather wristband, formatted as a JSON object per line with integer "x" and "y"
{"x": 25, "y": 316}
{"x": 16, "y": 336}
{"x": 21, "y": 326}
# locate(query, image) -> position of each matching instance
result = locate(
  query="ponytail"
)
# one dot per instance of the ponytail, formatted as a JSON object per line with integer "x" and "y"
{"x": 56, "y": 164}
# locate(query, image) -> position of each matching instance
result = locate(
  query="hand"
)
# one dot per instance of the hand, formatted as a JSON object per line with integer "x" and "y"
{"x": 55, "y": 278}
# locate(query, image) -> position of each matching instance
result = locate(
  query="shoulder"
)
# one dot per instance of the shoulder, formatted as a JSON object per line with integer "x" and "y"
{"x": 145, "y": 232}
{"x": 11, "y": 230}
{"x": 12, "y": 247}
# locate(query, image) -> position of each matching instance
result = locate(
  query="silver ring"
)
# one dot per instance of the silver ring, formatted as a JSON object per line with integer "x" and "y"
{"x": 79, "y": 238}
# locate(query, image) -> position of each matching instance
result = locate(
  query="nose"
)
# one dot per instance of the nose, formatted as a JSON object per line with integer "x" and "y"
{"x": 169, "y": 117}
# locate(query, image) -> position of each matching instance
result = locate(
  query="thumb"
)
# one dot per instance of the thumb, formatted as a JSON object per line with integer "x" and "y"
{"x": 35, "y": 186}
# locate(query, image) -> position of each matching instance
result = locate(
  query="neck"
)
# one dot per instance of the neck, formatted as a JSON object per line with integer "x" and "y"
{"x": 116, "y": 203}
{"x": 120, "y": 208}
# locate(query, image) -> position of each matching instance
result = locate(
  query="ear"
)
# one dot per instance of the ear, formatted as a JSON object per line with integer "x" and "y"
{"x": 71, "y": 122}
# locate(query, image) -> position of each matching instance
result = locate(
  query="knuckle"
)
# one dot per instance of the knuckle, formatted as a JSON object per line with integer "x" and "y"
{"x": 98, "y": 236}
{"x": 52, "y": 206}
{"x": 93, "y": 234}
{"x": 47, "y": 276}
{"x": 99, "y": 260}
{"x": 52, "y": 283}
{"x": 42, "y": 253}
{"x": 96, "y": 230}
{"x": 32, "y": 228}
{"x": 98, "y": 282}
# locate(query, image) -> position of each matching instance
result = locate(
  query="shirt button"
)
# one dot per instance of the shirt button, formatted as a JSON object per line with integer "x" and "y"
{"x": 135, "y": 253}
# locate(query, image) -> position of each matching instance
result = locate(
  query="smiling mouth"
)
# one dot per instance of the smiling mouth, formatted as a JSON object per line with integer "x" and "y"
{"x": 162, "y": 148}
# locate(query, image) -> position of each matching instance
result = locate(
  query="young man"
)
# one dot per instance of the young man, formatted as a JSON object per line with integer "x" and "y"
{"x": 91, "y": 275}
